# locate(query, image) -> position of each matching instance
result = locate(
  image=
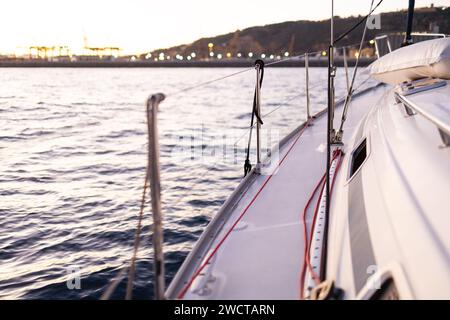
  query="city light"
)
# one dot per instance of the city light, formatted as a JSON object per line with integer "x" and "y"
{"x": 228, "y": 55}
{"x": 372, "y": 41}
{"x": 263, "y": 55}
{"x": 189, "y": 58}
{"x": 324, "y": 53}
{"x": 211, "y": 54}
{"x": 286, "y": 54}
{"x": 250, "y": 54}
{"x": 193, "y": 55}
{"x": 210, "y": 45}
{"x": 239, "y": 55}
{"x": 219, "y": 56}
{"x": 148, "y": 56}
{"x": 272, "y": 56}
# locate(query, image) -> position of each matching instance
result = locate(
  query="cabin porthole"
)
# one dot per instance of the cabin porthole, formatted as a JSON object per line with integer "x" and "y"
{"x": 359, "y": 155}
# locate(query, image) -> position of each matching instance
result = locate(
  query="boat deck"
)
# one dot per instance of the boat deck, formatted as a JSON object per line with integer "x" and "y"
{"x": 253, "y": 248}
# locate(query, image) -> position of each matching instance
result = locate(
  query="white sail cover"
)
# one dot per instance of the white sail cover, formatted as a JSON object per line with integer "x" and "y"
{"x": 421, "y": 60}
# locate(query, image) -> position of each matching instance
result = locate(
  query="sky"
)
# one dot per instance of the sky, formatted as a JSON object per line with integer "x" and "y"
{"x": 143, "y": 25}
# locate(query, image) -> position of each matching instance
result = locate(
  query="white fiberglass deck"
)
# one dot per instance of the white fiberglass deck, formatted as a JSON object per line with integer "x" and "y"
{"x": 261, "y": 256}
{"x": 388, "y": 220}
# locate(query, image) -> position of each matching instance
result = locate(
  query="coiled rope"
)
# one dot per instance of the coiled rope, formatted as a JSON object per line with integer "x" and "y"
{"x": 259, "y": 65}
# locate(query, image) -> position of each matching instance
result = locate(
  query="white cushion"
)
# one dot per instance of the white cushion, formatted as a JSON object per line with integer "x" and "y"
{"x": 424, "y": 59}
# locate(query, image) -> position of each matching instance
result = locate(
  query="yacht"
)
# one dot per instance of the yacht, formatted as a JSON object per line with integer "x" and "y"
{"x": 352, "y": 204}
{"x": 383, "y": 230}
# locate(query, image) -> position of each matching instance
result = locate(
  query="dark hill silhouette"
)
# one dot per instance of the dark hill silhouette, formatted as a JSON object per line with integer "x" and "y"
{"x": 300, "y": 36}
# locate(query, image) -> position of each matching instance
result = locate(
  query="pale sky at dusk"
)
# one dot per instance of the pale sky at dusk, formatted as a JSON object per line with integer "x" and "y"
{"x": 141, "y": 25}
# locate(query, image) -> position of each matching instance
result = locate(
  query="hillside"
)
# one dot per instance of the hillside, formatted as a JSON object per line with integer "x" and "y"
{"x": 301, "y": 36}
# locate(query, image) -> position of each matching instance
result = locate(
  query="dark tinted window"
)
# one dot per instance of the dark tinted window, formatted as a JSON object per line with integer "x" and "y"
{"x": 358, "y": 157}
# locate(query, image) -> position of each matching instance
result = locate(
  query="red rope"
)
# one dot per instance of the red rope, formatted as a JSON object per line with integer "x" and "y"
{"x": 305, "y": 235}
{"x": 307, "y": 244}
{"x": 208, "y": 259}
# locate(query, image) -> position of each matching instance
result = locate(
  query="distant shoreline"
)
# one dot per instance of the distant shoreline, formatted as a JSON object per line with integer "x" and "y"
{"x": 294, "y": 63}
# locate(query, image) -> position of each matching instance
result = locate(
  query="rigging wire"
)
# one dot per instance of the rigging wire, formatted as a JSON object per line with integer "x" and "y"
{"x": 268, "y": 64}
{"x": 356, "y": 25}
{"x": 202, "y": 84}
{"x": 330, "y": 114}
{"x": 283, "y": 104}
{"x": 350, "y": 89}
{"x": 132, "y": 268}
{"x": 137, "y": 238}
{"x": 119, "y": 277}
{"x": 331, "y": 135}
{"x": 217, "y": 247}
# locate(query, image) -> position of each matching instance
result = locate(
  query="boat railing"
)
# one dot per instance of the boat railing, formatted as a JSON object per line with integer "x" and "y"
{"x": 387, "y": 43}
{"x": 434, "y": 115}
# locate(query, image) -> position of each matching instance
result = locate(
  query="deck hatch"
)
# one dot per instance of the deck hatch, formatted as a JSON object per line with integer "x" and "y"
{"x": 358, "y": 157}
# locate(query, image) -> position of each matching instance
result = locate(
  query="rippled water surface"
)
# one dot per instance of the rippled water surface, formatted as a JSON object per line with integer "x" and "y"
{"x": 73, "y": 157}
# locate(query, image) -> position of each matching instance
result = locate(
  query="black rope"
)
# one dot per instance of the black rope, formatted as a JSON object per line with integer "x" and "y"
{"x": 255, "y": 113}
{"x": 357, "y": 24}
